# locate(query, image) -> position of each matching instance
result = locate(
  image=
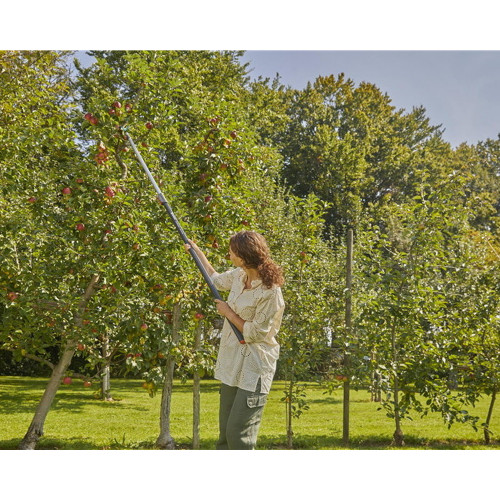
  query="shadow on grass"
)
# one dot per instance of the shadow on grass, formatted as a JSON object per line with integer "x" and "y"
{"x": 83, "y": 444}
{"x": 322, "y": 442}
{"x": 23, "y": 395}
{"x": 265, "y": 443}
{"x": 53, "y": 444}
{"x": 74, "y": 403}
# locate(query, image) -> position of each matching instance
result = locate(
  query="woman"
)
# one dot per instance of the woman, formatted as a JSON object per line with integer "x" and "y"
{"x": 255, "y": 306}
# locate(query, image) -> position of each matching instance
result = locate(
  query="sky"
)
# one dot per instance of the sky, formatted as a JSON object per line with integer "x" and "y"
{"x": 460, "y": 90}
{"x": 443, "y": 55}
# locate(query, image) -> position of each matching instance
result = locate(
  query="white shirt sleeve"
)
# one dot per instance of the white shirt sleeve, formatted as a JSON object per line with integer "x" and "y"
{"x": 224, "y": 281}
{"x": 267, "y": 318}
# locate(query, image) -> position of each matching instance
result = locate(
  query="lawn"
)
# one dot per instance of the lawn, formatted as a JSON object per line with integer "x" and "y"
{"x": 79, "y": 421}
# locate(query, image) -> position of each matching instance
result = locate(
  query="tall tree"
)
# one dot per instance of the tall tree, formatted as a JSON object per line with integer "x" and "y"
{"x": 350, "y": 146}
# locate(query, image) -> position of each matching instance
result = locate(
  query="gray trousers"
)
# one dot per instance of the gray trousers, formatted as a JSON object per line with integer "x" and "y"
{"x": 240, "y": 414}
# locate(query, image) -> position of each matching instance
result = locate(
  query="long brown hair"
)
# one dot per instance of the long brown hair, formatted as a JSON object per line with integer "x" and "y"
{"x": 252, "y": 248}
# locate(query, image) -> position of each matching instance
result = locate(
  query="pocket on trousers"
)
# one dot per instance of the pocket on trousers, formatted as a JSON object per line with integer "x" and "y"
{"x": 256, "y": 401}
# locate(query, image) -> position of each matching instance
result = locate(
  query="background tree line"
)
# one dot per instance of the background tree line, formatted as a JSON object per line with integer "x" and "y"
{"x": 95, "y": 281}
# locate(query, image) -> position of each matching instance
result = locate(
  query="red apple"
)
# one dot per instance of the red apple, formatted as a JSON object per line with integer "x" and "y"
{"x": 79, "y": 181}
{"x": 87, "y": 383}
{"x": 109, "y": 192}
{"x": 144, "y": 327}
{"x": 80, "y": 227}
{"x": 93, "y": 120}
{"x": 116, "y": 104}
{"x": 128, "y": 107}
{"x": 233, "y": 134}
{"x": 215, "y": 244}
{"x": 32, "y": 199}
{"x": 81, "y": 347}
{"x": 88, "y": 116}
{"x": 198, "y": 316}
{"x": 12, "y": 296}
{"x": 245, "y": 222}
{"x": 149, "y": 125}
{"x": 67, "y": 380}
{"x": 208, "y": 199}
{"x": 66, "y": 191}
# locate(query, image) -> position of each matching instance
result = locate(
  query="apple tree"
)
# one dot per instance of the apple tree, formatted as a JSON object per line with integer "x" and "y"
{"x": 475, "y": 345}
{"x": 225, "y": 177}
{"x": 404, "y": 308}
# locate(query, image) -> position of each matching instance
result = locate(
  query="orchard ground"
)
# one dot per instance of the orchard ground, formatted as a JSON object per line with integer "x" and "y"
{"x": 80, "y": 421}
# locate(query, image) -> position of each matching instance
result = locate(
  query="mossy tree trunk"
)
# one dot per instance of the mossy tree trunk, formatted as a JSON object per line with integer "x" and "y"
{"x": 35, "y": 430}
{"x": 165, "y": 440}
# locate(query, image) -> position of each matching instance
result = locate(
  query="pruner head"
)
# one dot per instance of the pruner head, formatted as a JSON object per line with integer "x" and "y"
{"x": 123, "y": 130}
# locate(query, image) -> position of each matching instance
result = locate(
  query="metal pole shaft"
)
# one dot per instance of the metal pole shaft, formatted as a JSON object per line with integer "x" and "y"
{"x": 181, "y": 232}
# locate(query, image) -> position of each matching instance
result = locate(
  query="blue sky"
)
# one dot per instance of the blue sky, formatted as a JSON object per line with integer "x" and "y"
{"x": 460, "y": 90}
{"x": 443, "y": 55}
{"x": 395, "y": 45}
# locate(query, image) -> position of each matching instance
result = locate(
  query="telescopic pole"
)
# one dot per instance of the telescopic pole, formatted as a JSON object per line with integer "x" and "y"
{"x": 181, "y": 232}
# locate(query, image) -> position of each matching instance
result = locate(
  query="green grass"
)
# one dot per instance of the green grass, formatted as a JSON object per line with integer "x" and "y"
{"x": 79, "y": 421}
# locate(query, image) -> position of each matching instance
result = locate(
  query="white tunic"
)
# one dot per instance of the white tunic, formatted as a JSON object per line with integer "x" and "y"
{"x": 241, "y": 365}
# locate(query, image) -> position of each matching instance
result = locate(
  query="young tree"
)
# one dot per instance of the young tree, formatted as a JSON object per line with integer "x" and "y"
{"x": 405, "y": 307}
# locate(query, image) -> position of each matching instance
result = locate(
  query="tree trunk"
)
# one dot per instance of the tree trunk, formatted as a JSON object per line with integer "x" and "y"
{"x": 348, "y": 326}
{"x": 35, "y": 430}
{"x": 106, "y": 376}
{"x": 375, "y": 389}
{"x": 196, "y": 390}
{"x": 398, "y": 433}
{"x": 165, "y": 440}
{"x": 289, "y": 415}
{"x": 487, "y": 431}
